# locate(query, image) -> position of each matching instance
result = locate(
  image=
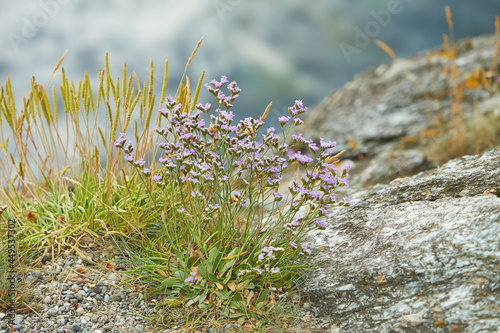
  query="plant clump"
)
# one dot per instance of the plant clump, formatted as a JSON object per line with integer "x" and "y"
{"x": 232, "y": 239}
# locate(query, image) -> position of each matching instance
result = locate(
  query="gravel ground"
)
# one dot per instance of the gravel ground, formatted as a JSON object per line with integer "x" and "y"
{"x": 72, "y": 295}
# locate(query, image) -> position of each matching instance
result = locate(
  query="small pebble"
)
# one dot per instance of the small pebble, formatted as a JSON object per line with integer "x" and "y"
{"x": 76, "y": 328}
{"x": 46, "y": 258}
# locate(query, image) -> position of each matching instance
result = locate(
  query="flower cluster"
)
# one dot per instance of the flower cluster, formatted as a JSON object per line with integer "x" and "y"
{"x": 205, "y": 154}
{"x": 192, "y": 280}
{"x": 269, "y": 253}
{"x": 259, "y": 271}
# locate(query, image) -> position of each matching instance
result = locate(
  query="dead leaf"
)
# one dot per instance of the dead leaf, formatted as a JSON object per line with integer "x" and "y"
{"x": 234, "y": 256}
{"x": 243, "y": 284}
{"x": 195, "y": 269}
{"x": 231, "y": 286}
{"x": 162, "y": 272}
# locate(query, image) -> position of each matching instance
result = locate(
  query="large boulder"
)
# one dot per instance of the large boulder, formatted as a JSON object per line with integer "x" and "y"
{"x": 420, "y": 254}
{"x": 382, "y": 111}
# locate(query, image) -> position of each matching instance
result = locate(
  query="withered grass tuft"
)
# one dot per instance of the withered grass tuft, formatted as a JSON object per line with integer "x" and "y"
{"x": 466, "y": 131}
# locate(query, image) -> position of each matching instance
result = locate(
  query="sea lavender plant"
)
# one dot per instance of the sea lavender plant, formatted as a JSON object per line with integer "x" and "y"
{"x": 228, "y": 184}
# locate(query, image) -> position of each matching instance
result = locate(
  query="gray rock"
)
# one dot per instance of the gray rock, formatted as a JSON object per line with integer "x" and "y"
{"x": 387, "y": 107}
{"x": 18, "y": 319}
{"x": 419, "y": 254}
{"x": 391, "y": 164}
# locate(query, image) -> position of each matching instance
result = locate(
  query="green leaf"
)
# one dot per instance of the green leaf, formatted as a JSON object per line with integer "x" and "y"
{"x": 170, "y": 282}
{"x": 227, "y": 266}
{"x": 262, "y": 297}
{"x": 212, "y": 278}
{"x": 249, "y": 297}
{"x": 213, "y": 254}
{"x": 174, "y": 303}
{"x": 236, "y": 315}
{"x": 223, "y": 295}
{"x": 202, "y": 297}
{"x": 203, "y": 272}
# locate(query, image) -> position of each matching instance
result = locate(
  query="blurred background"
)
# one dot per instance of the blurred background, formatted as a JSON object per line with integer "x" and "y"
{"x": 277, "y": 51}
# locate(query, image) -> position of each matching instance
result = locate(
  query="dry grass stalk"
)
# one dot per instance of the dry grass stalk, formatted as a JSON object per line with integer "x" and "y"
{"x": 334, "y": 159}
{"x": 385, "y": 48}
{"x": 446, "y": 43}
{"x": 266, "y": 112}
{"x": 497, "y": 25}
{"x": 429, "y": 59}
{"x": 193, "y": 54}
{"x": 447, "y": 11}
{"x": 494, "y": 67}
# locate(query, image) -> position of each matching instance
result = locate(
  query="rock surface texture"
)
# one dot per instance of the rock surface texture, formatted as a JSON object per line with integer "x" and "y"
{"x": 420, "y": 254}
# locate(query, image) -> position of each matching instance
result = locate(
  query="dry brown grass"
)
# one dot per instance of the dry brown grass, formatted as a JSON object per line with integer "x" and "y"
{"x": 467, "y": 130}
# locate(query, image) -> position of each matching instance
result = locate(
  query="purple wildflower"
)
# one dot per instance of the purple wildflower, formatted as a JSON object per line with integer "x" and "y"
{"x": 192, "y": 279}
{"x": 347, "y": 202}
{"x": 325, "y": 145}
{"x": 274, "y": 270}
{"x": 259, "y": 270}
{"x": 283, "y": 120}
{"x": 158, "y": 180}
{"x": 323, "y": 211}
{"x": 343, "y": 181}
{"x": 140, "y": 163}
{"x": 305, "y": 249}
{"x": 298, "y": 121}
{"x": 121, "y": 140}
{"x": 302, "y": 159}
{"x": 320, "y": 224}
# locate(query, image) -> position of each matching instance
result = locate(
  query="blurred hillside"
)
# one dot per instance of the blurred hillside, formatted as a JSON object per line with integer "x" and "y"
{"x": 277, "y": 51}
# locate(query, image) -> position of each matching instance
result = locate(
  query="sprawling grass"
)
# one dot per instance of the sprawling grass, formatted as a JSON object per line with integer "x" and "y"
{"x": 67, "y": 188}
